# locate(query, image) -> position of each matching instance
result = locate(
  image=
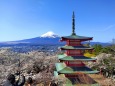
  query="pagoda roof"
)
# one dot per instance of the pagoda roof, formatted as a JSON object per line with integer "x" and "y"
{"x": 66, "y": 47}
{"x": 76, "y": 37}
{"x": 62, "y": 68}
{"x": 80, "y": 81}
{"x": 81, "y": 58}
{"x": 73, "y": 36}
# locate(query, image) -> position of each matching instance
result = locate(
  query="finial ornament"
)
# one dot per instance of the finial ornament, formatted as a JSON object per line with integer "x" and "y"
{"x": 73, "y": 24}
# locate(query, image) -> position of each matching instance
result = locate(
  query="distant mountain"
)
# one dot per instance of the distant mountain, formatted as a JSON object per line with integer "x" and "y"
{"x": 101, "y": 43}
{"x": 47, "y": 38}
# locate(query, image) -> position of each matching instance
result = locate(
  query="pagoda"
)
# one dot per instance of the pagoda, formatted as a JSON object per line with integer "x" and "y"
{"x": 72, "y": 63}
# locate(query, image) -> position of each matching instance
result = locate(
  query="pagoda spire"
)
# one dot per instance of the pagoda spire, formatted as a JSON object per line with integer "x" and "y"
{"x": 73, "y": 24}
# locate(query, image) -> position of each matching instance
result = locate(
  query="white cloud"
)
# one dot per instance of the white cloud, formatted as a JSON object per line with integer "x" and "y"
{"x": 107, "y": 28}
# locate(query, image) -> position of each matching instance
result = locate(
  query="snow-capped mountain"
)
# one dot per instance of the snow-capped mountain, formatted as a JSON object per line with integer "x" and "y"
{"x": 47, "y": 38}
{"x": 49, "y": 34}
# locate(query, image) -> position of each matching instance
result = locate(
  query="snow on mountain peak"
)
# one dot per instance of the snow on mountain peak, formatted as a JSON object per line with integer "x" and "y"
{"x": 49, "y": 34}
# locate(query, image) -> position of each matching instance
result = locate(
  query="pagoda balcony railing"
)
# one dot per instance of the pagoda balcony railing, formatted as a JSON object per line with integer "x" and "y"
{"x": 74, "y": 52}
{"x": 74, "y": 44}
{"x": 75, "y": 64}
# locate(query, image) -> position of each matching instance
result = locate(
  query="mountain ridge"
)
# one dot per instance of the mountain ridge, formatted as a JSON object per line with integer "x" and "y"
{"x": 47, "y": 38}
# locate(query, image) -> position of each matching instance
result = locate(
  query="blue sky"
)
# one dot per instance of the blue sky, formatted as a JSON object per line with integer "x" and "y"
{"x": 23, "y": 19}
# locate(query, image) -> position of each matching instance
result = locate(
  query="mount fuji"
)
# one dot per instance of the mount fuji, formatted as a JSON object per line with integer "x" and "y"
{"x": 48, "y": 38}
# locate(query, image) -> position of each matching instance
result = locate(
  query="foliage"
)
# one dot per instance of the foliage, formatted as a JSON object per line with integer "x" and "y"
{"x": 109, "y": 63}
{"x": 97, "y": 49}
{"x": 100, "y": 49}
{"x": 107, "y": 49}
{"x": 88, "y": 54}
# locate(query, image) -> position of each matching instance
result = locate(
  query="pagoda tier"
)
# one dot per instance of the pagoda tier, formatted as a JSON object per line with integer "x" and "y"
{"x": 75, "y": 42}
{"x": 64, "y": 57}
{"x": 75, "y": 38}
{"x": 62, "y": 68}
{"x": 79, "y": 79}
{"x": 66, "y": 47}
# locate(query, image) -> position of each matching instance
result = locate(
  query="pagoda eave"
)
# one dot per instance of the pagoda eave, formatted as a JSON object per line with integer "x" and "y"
{"x": 66, "y": 47}
{"x": 75, "y": 58}
{"x": 80, "y": 38}
{"x": 63, "y": 69}
{"x": 62, "y": 48}
{"x": 84, "y": 60}
{"x": 76, "y": 72}
{"x": 70, "y": 80}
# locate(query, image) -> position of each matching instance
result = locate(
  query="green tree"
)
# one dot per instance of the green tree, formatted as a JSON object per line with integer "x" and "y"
{"x": 106, "y": 50}
{"x": 97, "y": 49}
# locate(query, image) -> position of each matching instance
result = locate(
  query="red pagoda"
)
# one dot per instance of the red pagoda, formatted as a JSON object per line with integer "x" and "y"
{"x": 72, "y": 63}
